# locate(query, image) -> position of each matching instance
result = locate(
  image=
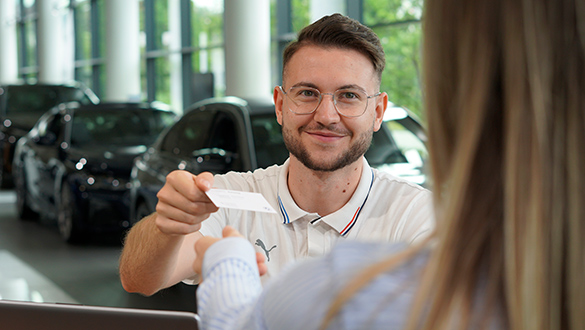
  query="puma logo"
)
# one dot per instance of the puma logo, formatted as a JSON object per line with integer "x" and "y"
{"x": 263, "y": 247}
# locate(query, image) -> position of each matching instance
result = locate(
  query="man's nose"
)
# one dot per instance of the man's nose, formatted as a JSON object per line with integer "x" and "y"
{"x": 326, "y": 111}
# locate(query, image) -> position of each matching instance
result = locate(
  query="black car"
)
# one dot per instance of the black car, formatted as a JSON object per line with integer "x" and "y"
{"x": 22, "y": 105}
{"x": 224, "y": 134}
{"x": 74, "y": 165}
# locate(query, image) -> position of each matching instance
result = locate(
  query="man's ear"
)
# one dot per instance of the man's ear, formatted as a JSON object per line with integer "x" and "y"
{"x": 278, "y": 97}
{"x": 381, "y": 105}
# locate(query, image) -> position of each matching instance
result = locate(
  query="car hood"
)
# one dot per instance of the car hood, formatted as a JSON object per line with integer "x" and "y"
{"x": 105, "y": 159}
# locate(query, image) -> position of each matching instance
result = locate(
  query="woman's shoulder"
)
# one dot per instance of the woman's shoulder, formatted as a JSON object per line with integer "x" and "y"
{"x": 306, "y": 290}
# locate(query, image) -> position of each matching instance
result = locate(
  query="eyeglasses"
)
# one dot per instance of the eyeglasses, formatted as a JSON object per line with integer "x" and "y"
{"x": 349, "y": 102}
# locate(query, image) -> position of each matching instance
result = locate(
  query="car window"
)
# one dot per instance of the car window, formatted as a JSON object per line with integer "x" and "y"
{"x": 268, "y": 141}
{"x": 223, "y": 133}
{"x": 188, "y": 134}
{"x": 118, "y": 127}
{"x": 221, "y": 150}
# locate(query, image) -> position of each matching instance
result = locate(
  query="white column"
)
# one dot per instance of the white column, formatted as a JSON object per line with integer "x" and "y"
{"x": 122, "y": 53}
{"x": 174, "y": 38}
{"x": 8, "y": 50}
{"x": 247, "y": 48}
{"x": 55, "y": 42}
{"x": 320, "y": 8}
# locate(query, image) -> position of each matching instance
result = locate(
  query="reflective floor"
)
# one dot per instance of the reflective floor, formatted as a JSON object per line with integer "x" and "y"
{"x": 36, "y": 265}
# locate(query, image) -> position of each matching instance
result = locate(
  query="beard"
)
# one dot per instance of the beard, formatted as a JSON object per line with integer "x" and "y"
{"x": 356, "y": 150}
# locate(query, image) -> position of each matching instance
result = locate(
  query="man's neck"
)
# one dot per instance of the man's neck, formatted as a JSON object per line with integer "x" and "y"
{"x": 323, "y": 192}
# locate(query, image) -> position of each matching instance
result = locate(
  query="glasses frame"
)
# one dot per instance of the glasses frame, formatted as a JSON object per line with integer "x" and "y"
{"x": 332, "y": 97}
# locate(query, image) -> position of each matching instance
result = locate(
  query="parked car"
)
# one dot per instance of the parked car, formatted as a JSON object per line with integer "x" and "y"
{"x": 21, "y": 105}
{"x": 74, "y": 165}
{"x": 224, "y": 134}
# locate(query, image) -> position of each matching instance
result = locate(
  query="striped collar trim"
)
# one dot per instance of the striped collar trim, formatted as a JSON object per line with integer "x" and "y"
{"x": 358, "y": 211}
{"x": 290, "y": 211}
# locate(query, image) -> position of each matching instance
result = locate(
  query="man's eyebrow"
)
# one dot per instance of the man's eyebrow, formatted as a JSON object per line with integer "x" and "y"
{"x": 305, "y": 84}
{"x": 352, "y": 86}
{"x": 309, "y": 84}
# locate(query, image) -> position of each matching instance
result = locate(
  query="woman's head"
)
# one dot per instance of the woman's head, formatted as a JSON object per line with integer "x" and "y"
{"x": 505, "y": 99}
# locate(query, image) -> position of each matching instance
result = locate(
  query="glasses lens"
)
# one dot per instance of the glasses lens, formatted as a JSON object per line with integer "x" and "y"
{"x": 351, "y": 102}
{"x": 305, "y": 99}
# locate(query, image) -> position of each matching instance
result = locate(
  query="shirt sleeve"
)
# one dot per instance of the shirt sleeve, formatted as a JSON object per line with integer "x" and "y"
{"x": 421, "y": 220}
{"x": 231, "y": 295}
{"x": 231, "y": 283}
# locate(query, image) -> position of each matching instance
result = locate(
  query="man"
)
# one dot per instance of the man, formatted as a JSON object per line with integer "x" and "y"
{"x": 328, "y": 106}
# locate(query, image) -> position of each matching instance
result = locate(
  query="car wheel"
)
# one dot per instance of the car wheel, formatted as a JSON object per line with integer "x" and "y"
{"x": 67, "y": 218}
{"x": 22, "y": 204}
{"x": 142, "y": 211}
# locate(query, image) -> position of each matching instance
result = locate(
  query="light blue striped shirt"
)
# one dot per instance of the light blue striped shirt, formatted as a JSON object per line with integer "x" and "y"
{"x": 231, "y": 296}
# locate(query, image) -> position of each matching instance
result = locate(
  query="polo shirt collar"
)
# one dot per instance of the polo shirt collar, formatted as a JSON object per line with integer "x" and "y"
{"x": 343, "y": 219}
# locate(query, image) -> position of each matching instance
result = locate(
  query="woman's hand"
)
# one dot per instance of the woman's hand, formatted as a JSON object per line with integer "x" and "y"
{"x": 205, "y": 242}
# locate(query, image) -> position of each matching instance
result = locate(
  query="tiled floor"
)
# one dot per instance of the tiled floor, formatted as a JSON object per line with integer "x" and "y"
{"x": 36, "y": 265}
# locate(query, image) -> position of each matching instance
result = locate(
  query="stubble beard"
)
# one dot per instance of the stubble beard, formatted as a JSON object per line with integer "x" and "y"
{"x": 356, "y": 150}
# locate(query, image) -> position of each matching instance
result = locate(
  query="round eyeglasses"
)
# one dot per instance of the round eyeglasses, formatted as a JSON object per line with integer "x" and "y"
{"x": 349, "y": 102}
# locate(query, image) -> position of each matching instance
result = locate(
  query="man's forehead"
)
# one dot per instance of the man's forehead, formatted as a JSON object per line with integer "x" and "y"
{"x": 315, "y": 66}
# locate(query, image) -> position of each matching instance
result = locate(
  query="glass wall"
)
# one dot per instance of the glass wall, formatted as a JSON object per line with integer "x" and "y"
{"x": 183, "y": 48}
{"x": 397, "y": 22}
{"x": 26, "y": 39}
{"x": 208, "y": 47}
{"x": 155, "y": 50}
{"x": 89, "y": 43}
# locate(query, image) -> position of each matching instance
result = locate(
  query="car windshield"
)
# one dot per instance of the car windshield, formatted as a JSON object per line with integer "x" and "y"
{"x": 128, "y": 127}
{"x": 35, "y": 100}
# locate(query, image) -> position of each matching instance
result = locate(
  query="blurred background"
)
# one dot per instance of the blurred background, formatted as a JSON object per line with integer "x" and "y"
{"x": 181, "y": 51}
{"x": 204, "y": 70}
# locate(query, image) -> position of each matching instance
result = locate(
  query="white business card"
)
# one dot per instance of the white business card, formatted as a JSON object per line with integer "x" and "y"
{"x": 242, "y": 200}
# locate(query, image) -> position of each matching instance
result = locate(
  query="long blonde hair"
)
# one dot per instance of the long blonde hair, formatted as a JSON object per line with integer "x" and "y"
{"x": 505, "y": 98}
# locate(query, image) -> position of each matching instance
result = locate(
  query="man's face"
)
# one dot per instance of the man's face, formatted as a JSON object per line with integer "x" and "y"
{"x": 324, "y": 140}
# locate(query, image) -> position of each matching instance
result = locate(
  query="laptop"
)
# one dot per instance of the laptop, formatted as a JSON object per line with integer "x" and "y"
{"x": 20, "y": 315}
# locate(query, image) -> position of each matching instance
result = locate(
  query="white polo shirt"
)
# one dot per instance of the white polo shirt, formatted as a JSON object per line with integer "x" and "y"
{"x": 383, "y": 207}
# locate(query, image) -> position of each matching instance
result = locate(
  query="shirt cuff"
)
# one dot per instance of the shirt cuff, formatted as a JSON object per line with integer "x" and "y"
{"x": 229, "y": 248}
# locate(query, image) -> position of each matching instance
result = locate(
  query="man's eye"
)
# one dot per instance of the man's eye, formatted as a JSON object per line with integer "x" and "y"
{"x": 348, "y": 96}
{"x": 307, "y": 93}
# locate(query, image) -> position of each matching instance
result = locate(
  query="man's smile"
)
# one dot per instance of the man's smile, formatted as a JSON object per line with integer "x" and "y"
{"x": 325, "y": 135}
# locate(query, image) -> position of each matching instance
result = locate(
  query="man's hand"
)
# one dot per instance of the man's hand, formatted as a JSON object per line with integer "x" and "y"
{"x": 182, "y": 203}
{"x": 205, "y": 242}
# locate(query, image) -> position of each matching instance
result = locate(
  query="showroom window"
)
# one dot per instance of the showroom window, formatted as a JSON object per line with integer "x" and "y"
{"x": 89, "y": 43}
{"x": 397, "y": 23}
{"x": 155, "y": 50}
{"x": 27, "y": 38}
{"x": 182, "y": 44}
{"x": 208, "y": 48}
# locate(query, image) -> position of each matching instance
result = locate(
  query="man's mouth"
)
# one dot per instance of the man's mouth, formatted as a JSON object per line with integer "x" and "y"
{"x": 325, "y": 136}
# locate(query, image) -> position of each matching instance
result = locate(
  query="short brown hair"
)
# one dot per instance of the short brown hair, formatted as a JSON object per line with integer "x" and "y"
{"x": 341, "y": 32}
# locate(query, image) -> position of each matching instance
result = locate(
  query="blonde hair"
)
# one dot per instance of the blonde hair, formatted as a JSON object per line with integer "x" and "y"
{"x": 505, "y": 98}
